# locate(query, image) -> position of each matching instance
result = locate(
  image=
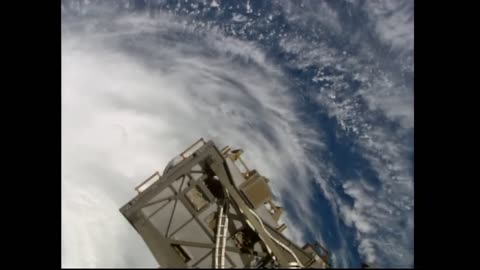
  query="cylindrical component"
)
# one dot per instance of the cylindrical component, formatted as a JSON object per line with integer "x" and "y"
{"x": 225, "y": 150}
{"x": 282, "y": 227}
{"x": 293, "y": 265}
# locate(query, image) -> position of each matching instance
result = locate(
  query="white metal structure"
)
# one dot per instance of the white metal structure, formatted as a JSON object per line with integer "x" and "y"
{"x": 297, "y": 263}
{"x": 204, "y": 212}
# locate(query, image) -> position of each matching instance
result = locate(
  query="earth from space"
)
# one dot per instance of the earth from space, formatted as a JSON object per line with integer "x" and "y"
{"x": 319, "y": 95}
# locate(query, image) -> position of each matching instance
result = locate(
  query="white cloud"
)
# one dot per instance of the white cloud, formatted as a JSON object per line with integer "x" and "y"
{"x": 393, "y": 22}
{"x": 239, "y": 18}
{"x": 309, "y": 53}
{"x": 366, "y": 248}
{"x": 214, "y": 4}
{"x": 312, "y": 10}
{"x": 127, "y": 112}
{"x": 248, "y": 7}
{"x": 393, "y": 98}
{"x": 380, "y": 216}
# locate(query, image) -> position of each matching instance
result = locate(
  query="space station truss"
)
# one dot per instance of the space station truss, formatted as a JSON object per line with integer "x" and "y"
{"x": 209, "y": 210}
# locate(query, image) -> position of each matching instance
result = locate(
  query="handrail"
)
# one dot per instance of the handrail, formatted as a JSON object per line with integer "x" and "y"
{"x": 137, "y": 188}
{"x": 191, "y": 146}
